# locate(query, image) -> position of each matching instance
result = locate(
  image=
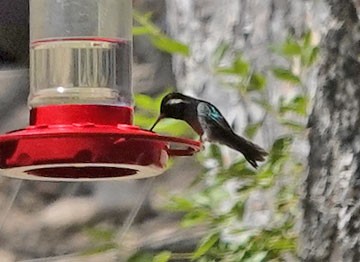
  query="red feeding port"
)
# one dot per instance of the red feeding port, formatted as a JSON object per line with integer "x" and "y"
{"x": 84, "y": 142}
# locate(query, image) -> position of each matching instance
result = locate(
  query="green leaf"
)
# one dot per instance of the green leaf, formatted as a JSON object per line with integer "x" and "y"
{"x": 295, "y": 126}
{"x": 264, "y": 103}
{"x": 219, "y": 53}
{"x": 291, "y": 48}
{"x": 313, "y": 55}
{"x": 171, "y": 46}
{"x": 226, "y": 71}
{"x": 307, "y": 37}
{"x": 240, "y": 169}
{"x": 265, "y": 174}
{"x": 257, "y": 82}
{"x": 283, "y": 244}
{"x": 309, "y": 52}
{"x": 239, "y": 67}
{"x": 180, "y": 204}
{"x": 282, "y": 144}
{"x": 158, "y": 39}
{"x": 144, "y": 20}
{"x": 251, "y": 129}
{"x": 309, "y": 56}
{"x": 205, "y": 245}
{"x": 99, "y": 249}
{"x": 98, "y": 234}
{"x": 140, "y": 30}
{"x": 194, "y": 218}
{"x": 162, "y": 257}
{"x": 258, "y": 257}
{"x": 298, "y": 105}
{"x": 141, "y": 257}
{"x": 280, "y": 148}
{"x": 286, "y": 75}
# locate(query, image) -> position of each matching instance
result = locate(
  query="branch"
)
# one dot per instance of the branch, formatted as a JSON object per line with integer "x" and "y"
{"x": 344, "y": 11}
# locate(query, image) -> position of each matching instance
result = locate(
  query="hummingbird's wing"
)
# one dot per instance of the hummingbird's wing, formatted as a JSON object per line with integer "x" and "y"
{"x": 212, "y": 122}
{"x": 216, "y": 129}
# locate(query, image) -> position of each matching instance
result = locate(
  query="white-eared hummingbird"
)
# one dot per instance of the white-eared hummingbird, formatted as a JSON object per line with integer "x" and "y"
{"x": 209, "y": 123}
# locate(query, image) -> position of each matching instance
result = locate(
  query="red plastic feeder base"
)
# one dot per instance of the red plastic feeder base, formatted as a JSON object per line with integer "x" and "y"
{"x": 85, "y": 143}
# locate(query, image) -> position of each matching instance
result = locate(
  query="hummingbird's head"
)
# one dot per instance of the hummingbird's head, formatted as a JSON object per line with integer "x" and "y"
{"x": 173, "y": 106}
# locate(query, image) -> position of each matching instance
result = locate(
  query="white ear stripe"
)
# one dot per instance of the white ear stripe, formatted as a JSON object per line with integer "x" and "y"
{"x": 175, "y": 101}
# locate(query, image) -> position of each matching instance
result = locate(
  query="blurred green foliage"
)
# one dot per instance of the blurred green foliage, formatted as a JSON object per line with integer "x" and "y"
{"x": 239, "y": 73}
{"x": 158, "y": 39}
{"x": 103, "y": 240}
{"x": 215, "y": 206}
{"x": 296, "y": 50}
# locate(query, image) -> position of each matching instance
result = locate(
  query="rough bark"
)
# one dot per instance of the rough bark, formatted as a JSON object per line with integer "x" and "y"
{"x": 331, "y": 221}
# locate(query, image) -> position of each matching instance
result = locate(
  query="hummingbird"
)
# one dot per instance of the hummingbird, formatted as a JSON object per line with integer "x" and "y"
{"x": 209, "y": 123}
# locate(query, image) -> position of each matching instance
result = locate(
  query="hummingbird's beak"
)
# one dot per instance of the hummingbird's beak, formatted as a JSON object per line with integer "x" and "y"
{"x": 161, "y": 116}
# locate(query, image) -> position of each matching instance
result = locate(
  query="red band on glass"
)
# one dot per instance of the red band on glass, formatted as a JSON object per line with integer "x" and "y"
{"x": 69, "y": 114}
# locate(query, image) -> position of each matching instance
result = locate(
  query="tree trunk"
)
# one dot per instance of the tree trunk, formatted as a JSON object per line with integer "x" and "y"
{"x": 331, "y": 221}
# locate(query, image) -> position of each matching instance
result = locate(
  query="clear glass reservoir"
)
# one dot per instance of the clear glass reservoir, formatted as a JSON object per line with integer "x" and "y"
{"x": 80, "y": 52}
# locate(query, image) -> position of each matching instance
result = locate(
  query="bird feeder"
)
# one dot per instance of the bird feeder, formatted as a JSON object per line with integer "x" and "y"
{"x": 80, "y": 100}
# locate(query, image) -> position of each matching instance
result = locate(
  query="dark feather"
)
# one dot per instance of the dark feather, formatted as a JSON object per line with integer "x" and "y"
{"x": 218, "y": 129}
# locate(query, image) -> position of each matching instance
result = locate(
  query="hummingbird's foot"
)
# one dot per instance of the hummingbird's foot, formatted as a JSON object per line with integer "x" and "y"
{"x": 204, "y": 138}
{"x": 201, "y": 140}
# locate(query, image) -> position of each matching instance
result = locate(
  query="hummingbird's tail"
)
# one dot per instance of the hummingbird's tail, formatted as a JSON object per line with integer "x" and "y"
{"x": 251, "y": 151}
